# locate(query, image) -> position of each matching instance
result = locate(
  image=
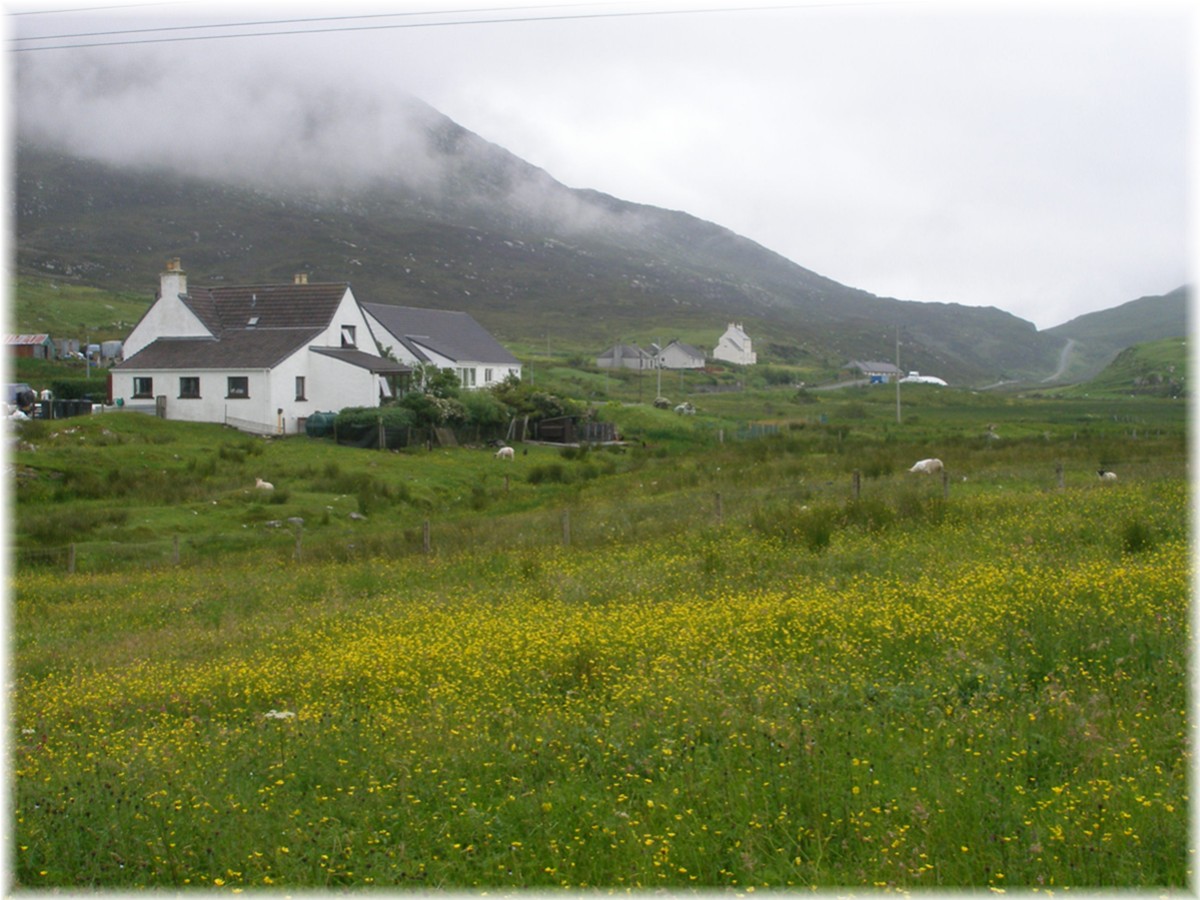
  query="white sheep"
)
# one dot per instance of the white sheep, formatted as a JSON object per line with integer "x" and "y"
{"x": 927, "y": 466}
{"x": 505, "y": 453}
{"x": 263, "y": 485}
{"x": 1106, "y": 475}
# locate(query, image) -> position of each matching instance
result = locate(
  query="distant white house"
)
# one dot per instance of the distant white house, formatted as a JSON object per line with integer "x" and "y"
{"x": 443, "y": 338}
{"x": 625, "y": 356}
{"x": 261, "y": 358}
{"x": 734, "y": 346}
{"x": 678, "y": 355}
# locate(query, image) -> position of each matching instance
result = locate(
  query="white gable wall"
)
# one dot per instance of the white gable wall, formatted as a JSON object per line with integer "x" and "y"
{"x": 734, "y": 346}
{"x": 675, "y": 357}
{"x": 168, "y": 316}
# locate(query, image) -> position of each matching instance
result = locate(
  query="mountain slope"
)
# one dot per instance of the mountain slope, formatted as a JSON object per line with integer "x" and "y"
{"x": 1100, "y": 336}
{"x": 469, "y": 226}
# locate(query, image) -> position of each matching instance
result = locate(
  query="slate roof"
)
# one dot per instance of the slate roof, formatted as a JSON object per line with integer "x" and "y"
{"x": 275, "y": 305}
{"x": 379, "y": 365}
{"x": 686, "y": 348}
{"x": 244, "y": 349}
{"x": 625, "y": 351}
{"x": 255, "y": 326}
{"x": 452, "y": 334}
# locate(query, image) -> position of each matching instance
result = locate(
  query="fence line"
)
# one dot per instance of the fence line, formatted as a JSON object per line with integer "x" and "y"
{"x": 598, "y": 523}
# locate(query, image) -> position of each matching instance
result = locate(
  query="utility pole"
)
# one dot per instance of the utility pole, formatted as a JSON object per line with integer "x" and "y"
{"x": 898, "y": 373}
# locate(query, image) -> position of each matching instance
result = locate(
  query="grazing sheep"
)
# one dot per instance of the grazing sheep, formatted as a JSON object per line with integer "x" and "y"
{"x": 1106, "y": 475}
{"x": 927, "y": 466}
{"x": 504, "y": 453}
{"x": 263, "y": 485}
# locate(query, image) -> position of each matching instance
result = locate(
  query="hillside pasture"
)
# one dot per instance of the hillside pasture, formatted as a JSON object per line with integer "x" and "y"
{"x": 696, "y": 661}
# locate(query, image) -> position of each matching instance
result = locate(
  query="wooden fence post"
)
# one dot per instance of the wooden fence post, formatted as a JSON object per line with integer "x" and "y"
{"x": 1058, "y": 471}
{"x": 566, "y": 528}
{"x": 719, "y": 511}
{"x": 425, "y": 541}
{"x": 299, "y": 536}
{"x": 71, "y": 559}
{"x": 945, "y": 485}
{"x": 856, "y": 484}
{"x": 175, "y": 549}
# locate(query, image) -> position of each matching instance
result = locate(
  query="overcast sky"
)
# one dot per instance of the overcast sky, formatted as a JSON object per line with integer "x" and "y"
{"x": 1035, "y": 158}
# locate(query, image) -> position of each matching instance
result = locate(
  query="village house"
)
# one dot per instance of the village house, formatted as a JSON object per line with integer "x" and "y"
{"x": 261, "y": 358}
{"x": 734, "y": 346}
{"x": 625, "y": 356}
{"x": 442, "y": 338}
{"x": 678, "y": 355}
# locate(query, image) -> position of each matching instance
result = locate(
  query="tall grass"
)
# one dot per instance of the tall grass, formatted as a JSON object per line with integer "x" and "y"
{"x": 994, "y": 699}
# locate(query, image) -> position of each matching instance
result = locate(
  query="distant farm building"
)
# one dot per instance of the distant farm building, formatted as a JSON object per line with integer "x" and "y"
{"x": 873, "y": 371}
{"x": 30, "y": 346}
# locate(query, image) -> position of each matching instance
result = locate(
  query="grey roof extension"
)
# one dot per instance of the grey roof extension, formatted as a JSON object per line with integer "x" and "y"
{"x": 454, "y": 335}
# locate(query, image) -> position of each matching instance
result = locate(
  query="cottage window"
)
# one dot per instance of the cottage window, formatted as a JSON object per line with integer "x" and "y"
{"x": 189, "y": 387}
{"x": 466, "y": 377}
{"x": 300, "y": 388}
{"x": 143, "y": 387}
{"x": 348, "y": 337}
{"x": 239, "y": 387}
{"x": 487, "y": 376}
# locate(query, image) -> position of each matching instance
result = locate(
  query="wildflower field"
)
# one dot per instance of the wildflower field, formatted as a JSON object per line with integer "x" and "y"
{"x": 977, "y": 685}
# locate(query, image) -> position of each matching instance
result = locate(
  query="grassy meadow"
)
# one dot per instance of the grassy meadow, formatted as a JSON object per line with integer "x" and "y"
{"x": 703, "y": 660}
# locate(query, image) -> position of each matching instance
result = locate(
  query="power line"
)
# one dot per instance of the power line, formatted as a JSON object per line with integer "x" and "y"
{"x": 227, "y": 35}
{"x": 254, "y": 24}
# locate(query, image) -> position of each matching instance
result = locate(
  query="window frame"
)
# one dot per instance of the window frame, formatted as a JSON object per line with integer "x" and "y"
{"x": 187, "y": 381}
{"x": 231, "y": 394}
{"x": 143, "y": 391}
{"x": 301, "y": 388}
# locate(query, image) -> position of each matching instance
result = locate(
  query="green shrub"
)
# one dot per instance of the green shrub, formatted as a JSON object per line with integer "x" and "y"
{"x": 548, "y": 472}
{"x": 1137, "y": 537}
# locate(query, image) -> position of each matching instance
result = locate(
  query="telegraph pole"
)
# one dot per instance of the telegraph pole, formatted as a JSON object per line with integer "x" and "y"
{"x": 898, "y": 373}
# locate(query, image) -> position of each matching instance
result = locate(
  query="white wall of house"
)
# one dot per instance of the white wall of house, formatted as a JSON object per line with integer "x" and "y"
{"x": 734, "y": 346}
{"x": 168, "y": 316}
{"x": 675, "y": 357}
{"x": 271, "y": 403}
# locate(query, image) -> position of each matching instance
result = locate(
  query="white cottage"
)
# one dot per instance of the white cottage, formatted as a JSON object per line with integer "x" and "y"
{"x": 678, "y": 355}
{"x": 261, "y": 358}
{"x": 734, "y": 346}
{"x": 446, "y": 339}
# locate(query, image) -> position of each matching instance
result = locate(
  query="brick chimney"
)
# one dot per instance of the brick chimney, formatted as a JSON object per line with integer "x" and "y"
{"x": 300, "y": 278}
{"x": 173, "y": 281}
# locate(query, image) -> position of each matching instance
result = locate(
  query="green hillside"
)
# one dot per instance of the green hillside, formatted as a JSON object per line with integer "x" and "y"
{"x": 1153, "y": 369}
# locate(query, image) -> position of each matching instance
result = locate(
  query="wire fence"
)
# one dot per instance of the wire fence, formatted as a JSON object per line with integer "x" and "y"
{"x": 640, "y": 512}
